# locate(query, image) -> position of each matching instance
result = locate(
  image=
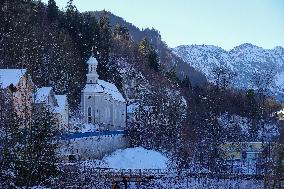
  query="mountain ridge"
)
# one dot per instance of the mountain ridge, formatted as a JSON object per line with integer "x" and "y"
{"x": 245, "y": 60}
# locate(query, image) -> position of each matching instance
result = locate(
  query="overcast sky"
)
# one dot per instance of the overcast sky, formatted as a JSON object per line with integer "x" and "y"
{"x": 225, "y": 23}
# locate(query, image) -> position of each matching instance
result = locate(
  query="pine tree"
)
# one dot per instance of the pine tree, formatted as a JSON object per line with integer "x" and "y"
{"x": 7, "y": 139}
{"x": 104, "y": 46}
{"x": 150, "y": 54}
{"x": 36, "y": 152}
{"x": 252, "y": 112}
{"x": 121, "y": 32}
{"x": 52, "y": 11}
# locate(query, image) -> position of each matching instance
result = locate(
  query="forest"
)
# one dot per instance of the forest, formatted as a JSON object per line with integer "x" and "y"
{"x": 179, "y": 112}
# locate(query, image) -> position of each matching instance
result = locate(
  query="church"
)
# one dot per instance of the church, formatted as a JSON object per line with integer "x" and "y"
{"x": 101, "y": 101}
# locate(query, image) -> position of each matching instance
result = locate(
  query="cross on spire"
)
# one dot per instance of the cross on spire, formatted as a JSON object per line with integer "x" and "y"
{"x": 92, "y": 51}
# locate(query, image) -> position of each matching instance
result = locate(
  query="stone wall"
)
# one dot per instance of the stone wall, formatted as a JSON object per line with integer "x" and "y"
{"x": 95, "y": 147}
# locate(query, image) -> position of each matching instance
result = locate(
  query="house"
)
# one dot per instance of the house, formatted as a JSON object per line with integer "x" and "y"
{"x": 247, "y": 151}
{"x": 62, "y": 111}
{"x": 46, "y": 96}
{"x": 57, "y": 104}
{"x": 101, "y": 101}
{"x": 19, "y": 83}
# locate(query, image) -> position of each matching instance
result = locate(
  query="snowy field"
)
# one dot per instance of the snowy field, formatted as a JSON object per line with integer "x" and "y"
{"x": 131, "y": 158}
{"x": 136, "y": 158}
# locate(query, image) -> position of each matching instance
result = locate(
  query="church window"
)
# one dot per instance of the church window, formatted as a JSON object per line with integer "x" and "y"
{"x": 89, "y": 115}
{"x": 95, "y": 116}
{"x": 91, "y": 81}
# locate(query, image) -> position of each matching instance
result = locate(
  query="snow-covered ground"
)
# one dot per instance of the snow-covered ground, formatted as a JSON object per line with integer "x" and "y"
{"x": 202, "y": 183}
{"x": 39, "y": 187}
{"x": 136, "y": 158}
{"x": 131, "y": 158}
{"x": 140, "y": 158}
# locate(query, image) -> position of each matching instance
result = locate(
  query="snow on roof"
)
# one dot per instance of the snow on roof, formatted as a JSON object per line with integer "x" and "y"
{"x": 92, "y": 60}
{"x": 42, "y": 94}
{"x": 132, "y": 107}
{"x": 90, "y": 88}
{"x": 11, "y": 76}
{"x": 106, "y": 87}
{"x": 61, "y": 101}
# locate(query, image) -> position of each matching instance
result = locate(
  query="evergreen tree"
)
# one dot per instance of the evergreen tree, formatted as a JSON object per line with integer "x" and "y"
{"x": 186, "y": 82}
{"x": 121, "y": 32}
{"x": 52, "y": 11}
{"x": 104, "y": 46}
{"x": 7, "y": 139}
{"x": 150, "y": 54}
{"x": 36, "y": 150}
{"x": 252, "y": 112}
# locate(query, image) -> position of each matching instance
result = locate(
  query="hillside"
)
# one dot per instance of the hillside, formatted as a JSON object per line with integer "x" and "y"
{"x": 246, "y": 62}
{"x": 54, "y": 45}
{"x": 167, "y": 58}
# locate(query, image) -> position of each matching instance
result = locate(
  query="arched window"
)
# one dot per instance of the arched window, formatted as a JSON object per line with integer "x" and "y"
{"x": 91, "y": 81}
{"x": 89, "y": 115}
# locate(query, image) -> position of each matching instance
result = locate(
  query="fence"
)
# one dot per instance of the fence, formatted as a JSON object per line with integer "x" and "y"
{"x": 84, "y": 177}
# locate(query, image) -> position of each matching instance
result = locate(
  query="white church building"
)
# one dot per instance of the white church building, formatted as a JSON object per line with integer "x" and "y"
{"x": 101, "y": 101}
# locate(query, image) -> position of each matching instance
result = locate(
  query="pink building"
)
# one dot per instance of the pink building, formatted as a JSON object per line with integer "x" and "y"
{"x": 19, "y": 83}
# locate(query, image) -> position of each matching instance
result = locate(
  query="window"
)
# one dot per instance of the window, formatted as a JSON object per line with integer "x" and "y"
{"x": 72, "y": 157}
{"x": 91, "y": 81}
{"x": 95, "y": 116}
{"x": 89, "y": 115}
{"x": 244, "y": 155}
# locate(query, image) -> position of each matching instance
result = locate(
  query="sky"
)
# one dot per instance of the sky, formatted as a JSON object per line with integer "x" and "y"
{"x": 224, "y": 23}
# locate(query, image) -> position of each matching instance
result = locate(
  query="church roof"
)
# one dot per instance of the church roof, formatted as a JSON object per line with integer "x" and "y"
{"x": 104, "y": 87}
{"x": 11, "y": 76}
{"x": 42, "y": 94}
{"x": 92, "y": 60}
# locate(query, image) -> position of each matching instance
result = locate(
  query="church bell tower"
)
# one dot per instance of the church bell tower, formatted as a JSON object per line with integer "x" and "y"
{"x": 92, "y": 76}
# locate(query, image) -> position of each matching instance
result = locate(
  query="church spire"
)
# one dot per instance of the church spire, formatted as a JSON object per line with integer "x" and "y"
{"x": 92, "y": 75}
{"x": 92, "y": 51}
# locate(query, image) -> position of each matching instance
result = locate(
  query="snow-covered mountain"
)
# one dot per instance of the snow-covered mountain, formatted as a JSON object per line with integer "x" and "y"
{"x": 246, "y": 61}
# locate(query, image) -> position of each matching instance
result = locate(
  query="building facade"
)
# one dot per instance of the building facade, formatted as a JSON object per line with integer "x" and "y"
{"x": 57, "y": 104}
{"x": 101, "y": 101}
{"x": 19, "y": 84}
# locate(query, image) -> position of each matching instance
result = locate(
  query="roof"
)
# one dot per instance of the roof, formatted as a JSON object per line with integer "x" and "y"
{"x": 104, "y": 87}
{"x": 70, "y": 136}
{"x": 42, "y": 94}
{"x": 131, "y": 108}
{"x": 11, "y": 76}
{"x": 61, "y": 101}
{"x": 92, "y": 60}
